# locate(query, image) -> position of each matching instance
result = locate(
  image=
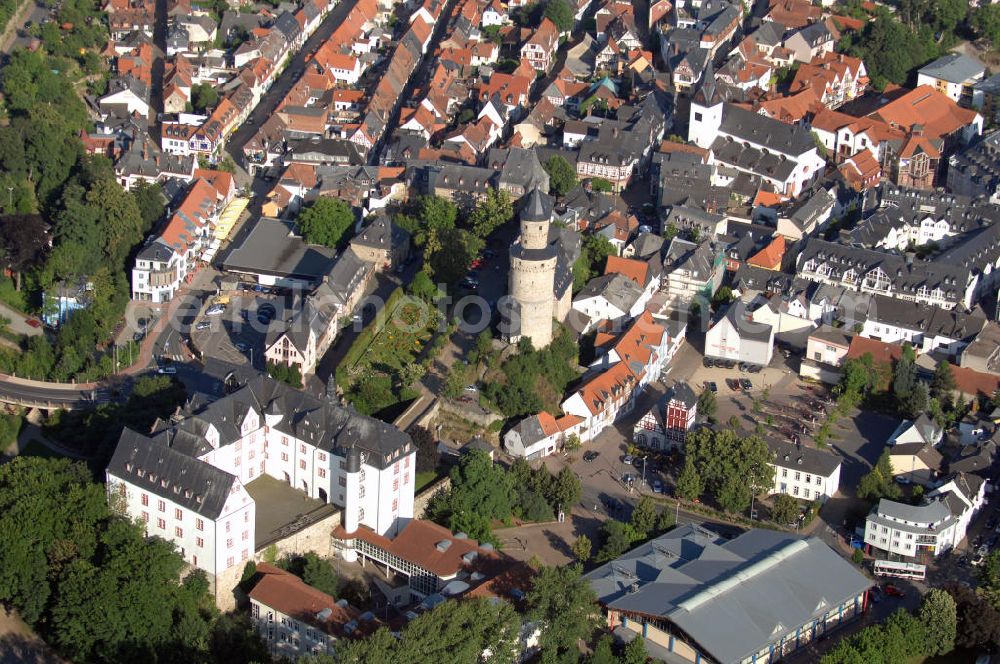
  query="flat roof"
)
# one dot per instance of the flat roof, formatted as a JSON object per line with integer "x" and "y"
{"x": 271, "y": 247}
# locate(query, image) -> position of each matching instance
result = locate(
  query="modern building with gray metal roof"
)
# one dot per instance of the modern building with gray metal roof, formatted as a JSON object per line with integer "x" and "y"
{"x": 698, "y": 597}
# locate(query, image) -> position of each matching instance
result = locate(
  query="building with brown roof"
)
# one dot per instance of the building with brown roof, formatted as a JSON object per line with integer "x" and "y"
{"x": 293, "y": 618}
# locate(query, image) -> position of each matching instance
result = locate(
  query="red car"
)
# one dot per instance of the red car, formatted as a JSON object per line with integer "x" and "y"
{"x": 894, "y": 591}
{"x": 33, "y": 322}
{"x": 477, "y": 263}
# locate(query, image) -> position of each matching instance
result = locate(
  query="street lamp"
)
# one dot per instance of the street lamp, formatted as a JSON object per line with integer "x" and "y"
{"x": 10, "y": 197}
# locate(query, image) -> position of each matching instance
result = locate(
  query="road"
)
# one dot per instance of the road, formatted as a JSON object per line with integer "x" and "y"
{"x": 32, "y": 393}
{"x": 285, "y": 81}
{"x": 12, "y": 39}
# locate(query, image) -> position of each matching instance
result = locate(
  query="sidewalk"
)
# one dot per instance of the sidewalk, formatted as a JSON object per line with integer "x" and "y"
{"x": 18, "y": 321}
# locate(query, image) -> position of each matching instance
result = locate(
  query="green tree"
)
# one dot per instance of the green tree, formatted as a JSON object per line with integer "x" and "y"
{"x": 707, "y": 405}
{"x": 319, "y": 574}
{"x": 689, "y": 484}
{"x": 491, "y": 213}
{"x": 327, "y": 221}
{"x": 878, "y": 482}
{"x": 479, "y": 492}
{"x": 616, "y": 538}
{"x": 600, "y": 185}
{"x": 150, "y": 200}
{"x": 204, "y": 97}
{"x": 785, "y": 509}
{"x": 635, "y": 652}
{"x": 423, "y": 287}
{"x": 562, "y": 175}
{"x": 561, "y": 13}
{"x": 566, "y": 490}
{"x": 943, "y": 383}
{"x": 603, "y": 654}
{"x": 978, "y": 619}
{"x": 938, "y": 613}
{"x": 582, "y": 548}
{"x": 643, "y": 518}
{"x": 985, "y": 19}
{"x": 565, "y": 607}
{"x": 733, "y": 467}
{"x": 591, "y": 262}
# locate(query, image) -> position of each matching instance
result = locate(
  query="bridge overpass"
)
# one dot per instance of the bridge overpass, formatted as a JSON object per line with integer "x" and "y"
{"x": 51, "y": 396}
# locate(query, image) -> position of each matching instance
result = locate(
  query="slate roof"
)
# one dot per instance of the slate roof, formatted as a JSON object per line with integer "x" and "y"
{"x": 743, "y": 124}
{"x": 803, "y": 458}
{"x": 152, "y": 465}
{"x": 761, "y": 585}
{"x": 620, "y": 291}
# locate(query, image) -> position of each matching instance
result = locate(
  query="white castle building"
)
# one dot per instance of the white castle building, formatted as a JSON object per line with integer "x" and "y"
{"x": 187, "y": 481}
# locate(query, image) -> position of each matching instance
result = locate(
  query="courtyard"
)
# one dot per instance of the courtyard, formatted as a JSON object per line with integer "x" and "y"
{"x": 282, "y": 510}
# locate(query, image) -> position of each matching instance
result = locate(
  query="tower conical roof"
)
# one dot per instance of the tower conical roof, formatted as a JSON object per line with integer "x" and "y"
{"x": 708, "y": 93}
{"x": 538, "y": 207}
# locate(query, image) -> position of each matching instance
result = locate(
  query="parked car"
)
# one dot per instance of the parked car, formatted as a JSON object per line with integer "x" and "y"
{"x": 743, "y": 366}
{"x": 628, "y": 479}
{"x": 613, "y": 504}
{"x": 471, "y": 388}
{"x": 202, "y": 325}
{"x": 33, "y": 322}
{"x": 707, "y": 362}
{"x": 710, "y": 385}
{"x": 657, "y": 486}
{"x": 729, "y": 364}
{"x": 902, "y": 479}
{"x": 242, "y": 347}
{"x": 733, "y": 384}
{"x": 590, "y": 456}
{"x": 894, "y": 591}
{"x": 628, "y": 459}
{"x": 215, "y": 310}
{"x": 746, "y": 384}
{"x": 755, "y": 368}
{"x": 167, "y": 370}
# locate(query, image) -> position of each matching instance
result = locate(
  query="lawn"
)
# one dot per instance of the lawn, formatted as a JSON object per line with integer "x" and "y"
{"x": 424, "y": 479}
{"x": 382, "y": 364}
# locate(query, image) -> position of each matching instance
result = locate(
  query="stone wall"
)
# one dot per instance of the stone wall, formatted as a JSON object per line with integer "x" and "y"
{"x": 472, "y": 413}
{"x": 421, "y": 499}
{"x": 314, "y": 537}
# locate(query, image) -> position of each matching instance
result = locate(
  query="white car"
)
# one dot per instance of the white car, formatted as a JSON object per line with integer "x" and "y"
{"x": 215, "y": 310}
{"x": 167, "y": 370}
{"x": 657, "y": 486}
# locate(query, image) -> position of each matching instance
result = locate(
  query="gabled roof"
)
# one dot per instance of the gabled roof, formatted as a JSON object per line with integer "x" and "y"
{"x": 155, "y": 467}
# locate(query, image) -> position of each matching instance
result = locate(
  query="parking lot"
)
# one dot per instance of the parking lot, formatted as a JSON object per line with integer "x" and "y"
{"x": 236, "y": 333}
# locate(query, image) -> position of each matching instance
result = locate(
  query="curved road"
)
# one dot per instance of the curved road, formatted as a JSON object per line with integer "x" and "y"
{"x": 35, "y": 393}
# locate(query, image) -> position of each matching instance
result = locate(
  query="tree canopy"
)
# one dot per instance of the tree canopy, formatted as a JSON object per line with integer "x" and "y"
{"x": 593, "y": 257}
{"x": 327, "y": 221}
{"x": 561, "y": 13}
{"x": 562, "y": 175}
{"x": 733, "y": 467}
{"x": 566, "y": 608}
{"x": 69, "y": 557}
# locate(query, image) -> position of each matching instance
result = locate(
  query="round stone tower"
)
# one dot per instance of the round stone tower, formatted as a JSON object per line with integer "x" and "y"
{"x": 532, "y": 273}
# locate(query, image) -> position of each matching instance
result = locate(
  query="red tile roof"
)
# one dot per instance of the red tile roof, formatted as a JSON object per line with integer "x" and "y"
{"x": 770, "y": 256}
{"x": 637, "y": 271}
{"x": 290, "y": 595}
{"x": 880, "y": 351}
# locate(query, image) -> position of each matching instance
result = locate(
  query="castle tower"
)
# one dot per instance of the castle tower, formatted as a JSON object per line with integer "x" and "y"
{"x": 532, "y": 273}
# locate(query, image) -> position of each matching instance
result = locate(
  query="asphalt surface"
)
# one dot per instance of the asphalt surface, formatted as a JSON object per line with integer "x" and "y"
{"x": 37, "y": 14}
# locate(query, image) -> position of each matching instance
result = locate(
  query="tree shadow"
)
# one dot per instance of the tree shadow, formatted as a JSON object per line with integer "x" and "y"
{"x": 18, "y": 649}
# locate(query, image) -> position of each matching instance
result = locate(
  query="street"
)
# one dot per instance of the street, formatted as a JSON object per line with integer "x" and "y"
{"x": 284, "y": 82}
